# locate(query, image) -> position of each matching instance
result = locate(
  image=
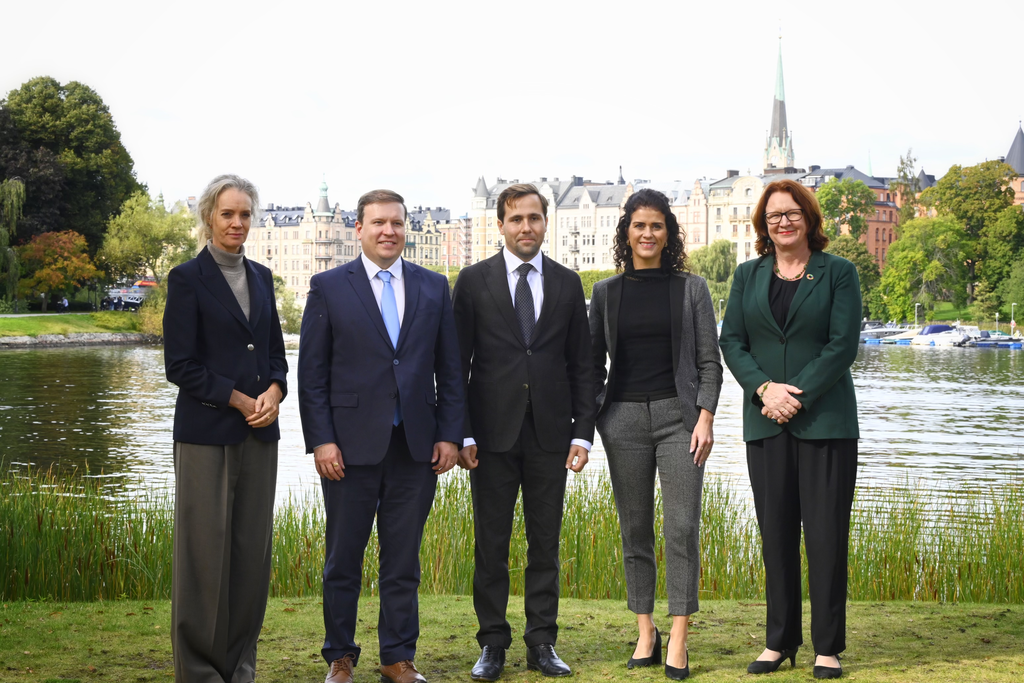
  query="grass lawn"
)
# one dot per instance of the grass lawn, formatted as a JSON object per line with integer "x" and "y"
{"x": 104, "y": 321}
{"x": 125, "y": 641}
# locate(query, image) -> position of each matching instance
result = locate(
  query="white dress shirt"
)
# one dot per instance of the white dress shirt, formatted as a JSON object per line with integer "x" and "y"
{"x": 397, "y": 283}
{"x": 535, "y": 278}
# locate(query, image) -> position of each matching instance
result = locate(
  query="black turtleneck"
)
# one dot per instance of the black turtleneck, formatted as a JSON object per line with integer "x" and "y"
{"x": 643, "y": 355}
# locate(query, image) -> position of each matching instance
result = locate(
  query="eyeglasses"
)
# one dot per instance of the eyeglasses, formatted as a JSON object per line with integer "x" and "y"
{"x": 775, "y": 218}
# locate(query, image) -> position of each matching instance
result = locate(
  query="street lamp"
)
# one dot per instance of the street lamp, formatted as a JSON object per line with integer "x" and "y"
{"x": 1013, "y": 320}
{"x": 720, "y": 302}
{"x": 916, "y": 306}
{"x": 997, "y": 322}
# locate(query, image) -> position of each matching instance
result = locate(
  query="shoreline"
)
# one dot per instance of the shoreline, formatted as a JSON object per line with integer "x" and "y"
{"x": 79, "y": 339}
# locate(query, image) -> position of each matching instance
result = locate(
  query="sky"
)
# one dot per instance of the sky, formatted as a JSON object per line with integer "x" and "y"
{"x": 423, "y": 98}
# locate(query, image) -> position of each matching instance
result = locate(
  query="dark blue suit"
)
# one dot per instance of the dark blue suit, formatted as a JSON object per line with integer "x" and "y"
{"x": 350, "y": 378}
{"x": 211, "y": 349}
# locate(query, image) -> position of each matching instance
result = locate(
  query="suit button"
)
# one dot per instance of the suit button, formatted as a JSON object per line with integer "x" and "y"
{"x": 250, "y": 347}
{"x": 391, "y": 395}
{"x": 257, "y": 378}
{"x": 395, "y": 361}
{"x": 782, "y": 340}
{"x": 526, "y": 386}
{"x": 529, "y": 352}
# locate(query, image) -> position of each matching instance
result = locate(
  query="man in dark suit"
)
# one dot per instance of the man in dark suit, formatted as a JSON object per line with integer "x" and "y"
{"x": 525, "y": 345}
{"x": 381, "y": 402}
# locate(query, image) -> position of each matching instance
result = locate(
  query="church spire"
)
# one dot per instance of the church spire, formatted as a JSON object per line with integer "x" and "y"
{"x": 778, "y": 152}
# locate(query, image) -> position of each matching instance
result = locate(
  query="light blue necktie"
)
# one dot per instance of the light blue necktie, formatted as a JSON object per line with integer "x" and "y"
{"x": 389, "y": 309}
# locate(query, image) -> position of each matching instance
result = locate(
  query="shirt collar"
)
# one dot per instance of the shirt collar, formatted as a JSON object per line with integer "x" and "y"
{"x": 512, "y": 261}
{"x": 372, "y": 268}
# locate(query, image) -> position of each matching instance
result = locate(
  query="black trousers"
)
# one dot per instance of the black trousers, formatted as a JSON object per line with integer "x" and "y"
{"x": 399, "y": 492}
{"x": 794, "y": 480}
{"x": 495, "y": 484}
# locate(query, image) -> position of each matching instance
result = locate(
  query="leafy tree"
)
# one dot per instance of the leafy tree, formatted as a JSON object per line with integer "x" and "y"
{"x": 906, "y": 186}
{"x": 1011, "y": 290}
{"x": 591, "y": 278}
{"x": 975, "y": 196}
{"x": 1001, "y": 245}
{"x": 287, "y": 310}
{"x": 986, "y": 303}
{"x": 853, "y": 251}
{"x": 453, "y": 273}
{"x": 75, "y": 126}
{"x": 12, "y": 198}
{"x": 151, "y": 313}
{"x": 924, "y": 265}
{"x": 42, "y": 174}
{"x": 846, "y": 202}
{"x": 56, "y": 261}
{"x": 145, "y": 238}
{"x": 716, "y": 263}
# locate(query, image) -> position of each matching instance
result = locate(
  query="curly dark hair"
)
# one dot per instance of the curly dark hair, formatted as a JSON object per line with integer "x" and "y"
{"x": 673, "y": 257}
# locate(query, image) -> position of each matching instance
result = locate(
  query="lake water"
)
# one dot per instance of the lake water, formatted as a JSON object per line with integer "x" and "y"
{"x": 941, "y": 417}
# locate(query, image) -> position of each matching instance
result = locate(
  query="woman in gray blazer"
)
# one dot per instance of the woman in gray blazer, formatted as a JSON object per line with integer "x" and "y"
{"x": 657, "y": 402}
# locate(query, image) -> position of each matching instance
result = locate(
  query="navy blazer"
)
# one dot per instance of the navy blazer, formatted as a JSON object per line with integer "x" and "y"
{"x": 350, "y": 374}
{"x": 210, "y": 349}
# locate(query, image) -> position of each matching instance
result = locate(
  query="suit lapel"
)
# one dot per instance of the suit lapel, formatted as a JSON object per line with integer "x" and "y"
{"x": 763, "y": 279}
{"x": 611, "y": 313}
{"x": 496, "y": 280}
{"x": 256, "y": 294}
{"x": 815, "y": 274}
{"x": 217, "y": 284}
{"x": 676, "y": 302}
{"x": 412, "y": 297}
{"x": 552, "y": 290}
{"x": 361, "y": 284}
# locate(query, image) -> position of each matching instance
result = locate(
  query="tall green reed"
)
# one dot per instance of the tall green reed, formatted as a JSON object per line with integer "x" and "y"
{"x": 64, "y": 538}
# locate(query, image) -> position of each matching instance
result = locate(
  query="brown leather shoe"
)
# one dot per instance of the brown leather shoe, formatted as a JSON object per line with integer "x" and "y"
{"x": 402, "y": 672}
{"x": 341, "y": 670}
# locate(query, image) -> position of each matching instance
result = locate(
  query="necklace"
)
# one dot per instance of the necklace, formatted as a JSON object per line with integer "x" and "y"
{"x": 789, "y": 279}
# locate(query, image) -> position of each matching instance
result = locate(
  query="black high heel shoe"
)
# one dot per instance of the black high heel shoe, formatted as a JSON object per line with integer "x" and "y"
{"x": 828, "y": 671}
{"x": 655, "y": 658}
{"x": 759, "y": 666}
{"x": 674, "y": 674}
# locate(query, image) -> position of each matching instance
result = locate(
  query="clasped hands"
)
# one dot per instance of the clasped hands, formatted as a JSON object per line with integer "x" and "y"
{"x": 330, "y": 464}
{"x": 577, "y": 460}
{"x": 260, "y": 411}
{"x": 780, "y": 405}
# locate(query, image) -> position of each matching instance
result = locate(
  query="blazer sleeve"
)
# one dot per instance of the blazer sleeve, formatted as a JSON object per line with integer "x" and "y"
{"x": 448, "y": 375}
{"x": 465, "y": 322}
{"x": 598, "y": 343}
{"x": 278, "y": 362}
{"x": 315, "y": 348}
{"x": 579, "y": 367}
{"x": 735, "y": 342}
{"x": 840, "y": 351}
{"x": 705, "y": 338}
{"x": 182, "y": 361}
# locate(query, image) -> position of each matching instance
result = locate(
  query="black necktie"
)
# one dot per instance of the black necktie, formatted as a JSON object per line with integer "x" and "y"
{"x": 524, "y": 303}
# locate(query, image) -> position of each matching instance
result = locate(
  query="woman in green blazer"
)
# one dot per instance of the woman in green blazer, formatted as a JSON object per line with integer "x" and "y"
{"x": 789, "y": 337}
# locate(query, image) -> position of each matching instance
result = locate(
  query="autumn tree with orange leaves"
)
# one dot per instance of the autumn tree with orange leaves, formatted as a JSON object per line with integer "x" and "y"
{"x": 57, "y": 262}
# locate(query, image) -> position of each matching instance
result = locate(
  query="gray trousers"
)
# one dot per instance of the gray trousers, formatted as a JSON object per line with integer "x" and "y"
{"x": 223, "y": 535}
{"x": 640, "y": 440}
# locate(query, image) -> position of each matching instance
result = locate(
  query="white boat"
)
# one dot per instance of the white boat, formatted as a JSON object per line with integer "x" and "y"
{"x": 942, "y": 335}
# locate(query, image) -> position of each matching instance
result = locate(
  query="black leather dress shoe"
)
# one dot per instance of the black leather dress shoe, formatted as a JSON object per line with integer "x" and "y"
{"x": 542, "y": 658}
{"x": 490, "y": 664}
{"x": 828, "y": 671}
{"x": 655, "y": 658}
{"x": 766, "y": 667}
